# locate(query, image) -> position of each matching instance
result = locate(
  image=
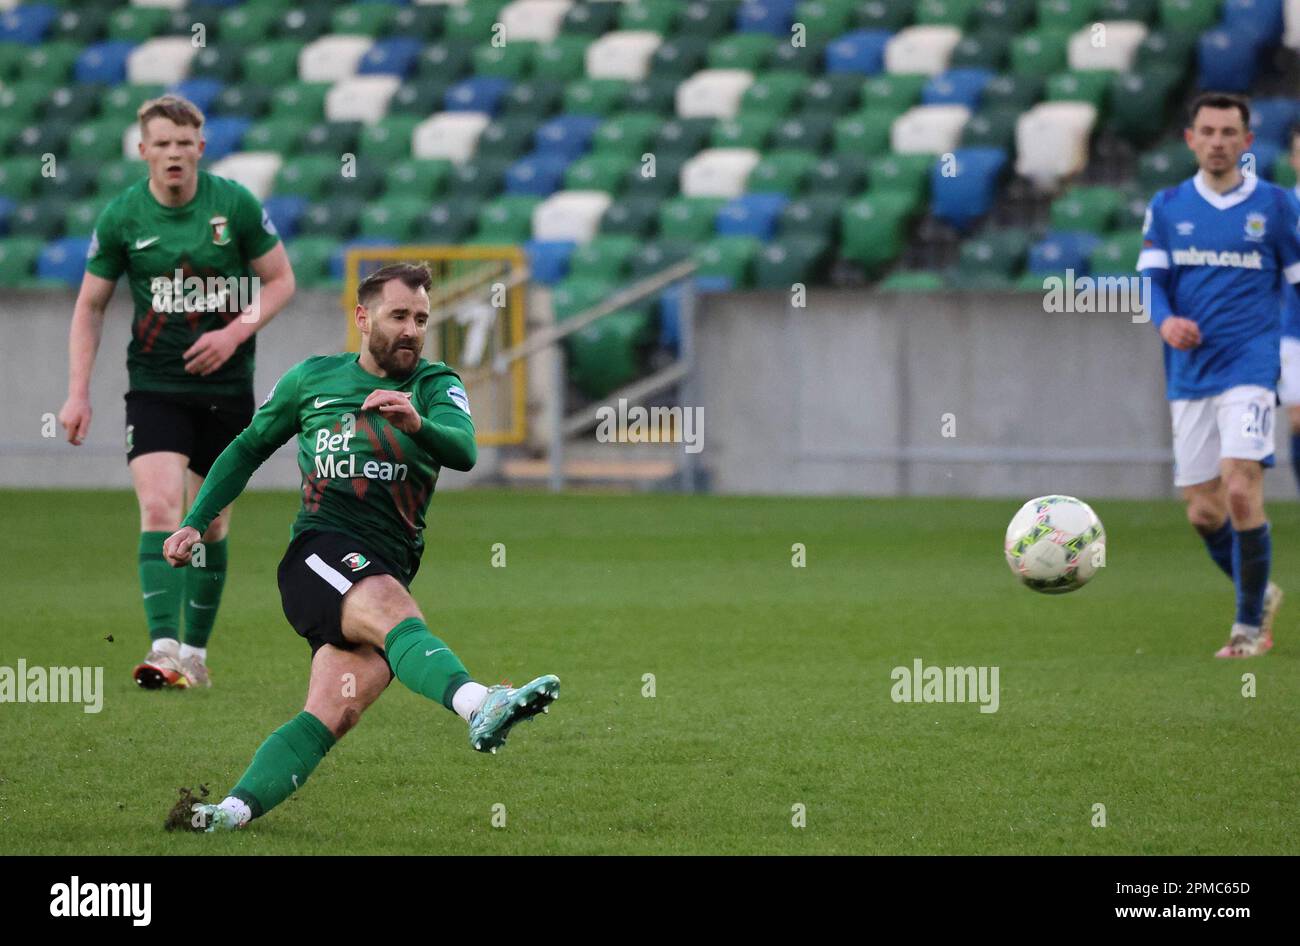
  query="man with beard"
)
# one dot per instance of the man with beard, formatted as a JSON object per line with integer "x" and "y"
{"x": 374, "y": 429}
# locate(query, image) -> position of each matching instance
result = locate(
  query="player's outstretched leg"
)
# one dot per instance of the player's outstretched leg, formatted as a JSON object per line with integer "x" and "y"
{"x": 1252, "y": 553}
{"x": 290, "y": 754}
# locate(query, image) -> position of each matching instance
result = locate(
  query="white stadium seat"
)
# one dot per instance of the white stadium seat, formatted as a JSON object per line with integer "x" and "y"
{"x": 928, "y": 129}
{"x": 1110, "y": 44}
{"x": 718, "y": 172}
{"x": 131, "y": 141}
{"x": 332, "y": 57}
{"x": 536, "y": 20}
{"x": 570, "y": 215}
{"x": 256, "y": 170}
{"x": 451, "y": 135}
{"x": 713, "y": 93}
{"x": 161, "y": 61}
{"x": 165, "y": 4}
{"x": 1052, "y": 140}
{"x": 360, "y": 98}
{"x": 622, "y": 54}
{"x": 921, "y": 49}
{"x": 1291, "y": 17}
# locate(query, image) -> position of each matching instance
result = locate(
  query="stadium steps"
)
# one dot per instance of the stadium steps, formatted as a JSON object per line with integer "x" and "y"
{"x": 592, "y": 471}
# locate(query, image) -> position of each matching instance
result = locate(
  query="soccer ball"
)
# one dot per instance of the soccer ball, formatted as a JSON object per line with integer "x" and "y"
{"x": 1055, "y": 544}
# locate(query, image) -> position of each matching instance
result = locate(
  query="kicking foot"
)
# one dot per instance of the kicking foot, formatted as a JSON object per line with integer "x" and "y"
{"x": 195, "y": 671}
{"x": 1272, "y": 601}
{"x": 504, "y": 706}
{"x": 1242, "y": 644}
{"x": 209, "y": 818}
{"x": 159, "y": 670}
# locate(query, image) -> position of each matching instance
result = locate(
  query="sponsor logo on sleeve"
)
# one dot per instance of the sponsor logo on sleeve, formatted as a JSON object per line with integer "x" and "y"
{"x": 459, "y": 398}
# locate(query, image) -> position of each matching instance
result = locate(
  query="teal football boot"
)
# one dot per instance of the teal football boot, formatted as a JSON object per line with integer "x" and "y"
{"x": 504, "y": 706}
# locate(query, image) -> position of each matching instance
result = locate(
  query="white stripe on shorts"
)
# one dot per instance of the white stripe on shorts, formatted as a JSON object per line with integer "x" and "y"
{"x": 317, "y": 564}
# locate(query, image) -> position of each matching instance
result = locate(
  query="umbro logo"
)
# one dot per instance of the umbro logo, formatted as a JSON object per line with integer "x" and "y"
{"x": 1185, "y": 228}
{"x": 141, "y": 244}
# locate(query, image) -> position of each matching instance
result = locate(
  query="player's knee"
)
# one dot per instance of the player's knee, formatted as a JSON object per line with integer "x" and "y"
{"x": 1205, "y": 516}
{"x": 160, "y": 513}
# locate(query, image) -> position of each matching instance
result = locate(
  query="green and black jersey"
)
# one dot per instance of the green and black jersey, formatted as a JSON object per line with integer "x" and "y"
{"x": 360, "y": 474}
{"x": 189, "y": 274}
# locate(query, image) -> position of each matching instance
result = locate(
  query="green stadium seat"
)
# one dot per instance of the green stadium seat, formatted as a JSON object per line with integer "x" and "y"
{"x": 741, "y": 51}
{"x": 1166, "y": 47}
{"x": 333, "y": 138}
{"x": 9, "y": 129}
{"x": 310, "y": 258}
{"x": 304, "y": 22}
{"x": 50, "y": 63}
{"x": 364, "y": 182}
{"x": 563, "y": 59}
{"x": 423, "y": 22}
{"x": 445, "y": 61}
{"x": 774, "y": 92}
{"x": 301, "y": 101}
{"x": 1091, "y": 87}
{"x": 71, "y": 103}
{"x": 746, "y": 130}
{"x": 627, "y": 134}
{"x": 513, "y": 60}
{"x": 11, "y": 58}
{"x": 605, "y": 258}
{"x": 889, "y": 15}
{"x": 508, "y": 138}
{"x": 1188, "y": 16}
{"x": 98, "y": 141}
{"x": 630, "y": 216}
{"x": 709, "y": 20}
{"x": 679, "y": 57}
{"x": 19, "y": 177}
{"x": 682, "y": 136}
{"x": 417, "y": 178}
{"x": 788, "y": 260}
{"x": 393, "y": 217}
{"x": 601, "y": 97}
{"x": 1116, "y": 255}
{"x": 575, "y": 294}
{"x": 84, "y": 26}
{"x": 82, "y": 214}
{"x": 419, "y": 97}
{"x": 901, "y": 174}
{"x": 388, "y": 140}
{"x": 689, "y": 218}
{"x": 825, "y": 19}
{"x": 18, "y": 260}
{"x": 983, "y": 49}
{"x": 843, "y": 175}
{"x": 1165, "y": 166}
{"x": 42, "y": 218}
{"x": 1067, "y": 14}
{"x": 608, "y": 354}
{"x": 991, "y": 128}
{"x": 306, "y": 176}
{"x": 472, "y": 22}
{"x": 1008, "y": 17}
{"x": 447, "y": 221}
{"x": 872, "y": 229}
{"x": 479, "y": 179}
{"x": 1094, "y": 209}
{"x": 839, "y": 92}
{"x": 274, "y": 63}
{"x": 782, "y": 172}
{"x": 810, "y": 130}
{"x": 332, "y": 217}
{"x": 250, "y": 23}
{"x": 999, "y": 252}
{"x": 865, "y": 132}
{"x": 138, "y": 23}
{"x": 1144, "y": 11}
{"x": 958, "y": 13}
{"x": 728, "y": 257}
{"x": 113, "y": 177}
{"x": 282, "y": 134}
{"x": 591, "y": 19}
{"x": 1040, "y": 52}
{"x": 363, "y": 19}
{"x": 913, "y": 280}
{"x": 122, "y": 102}
{"x": 791, "y": 58}
{"x": 1141, "y": 101}
{"x": 1133, "y": 210}
{"x": 815, "y": 215}
{"x": 535, "y": 98}
{"x": 508, "y": 219}
{"x": 249, "y": 99}
{"x": 1010, "y": 91}
{"x": 598, "y": 172}
{"x": 20, "y": 102}
{"x": 43, "y": 137}
{"x": 657, "y": 16}
{"x": 658, "y": 255}
{"x": 656, "y": 94}
{"x": 892, "y": 93}
{"x": 1283, "y": 173}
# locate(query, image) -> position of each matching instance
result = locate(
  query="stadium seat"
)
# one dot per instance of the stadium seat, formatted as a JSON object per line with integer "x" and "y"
{"x": 101, "y": 63}
{"x": 872, "y": 230}
{"x": 1116, "y": 255}
{"x": 548, "y": 261}
{"x": 865, "y": 132}
{"x": 453, "y": 136}
{"x": 632, "y": 216}
{"x": 751, "y": 215}
{"x": 1010, "y": 91}
{"x": 991, "y": 128}
{"x": 745, "y": 52}
{"x": 1090, "y": 209}
{"x": 393, "y": 218}
{"x": 1271, "y": 119}
{"x": 726, "y": 262}
{"x": 444, "y": 61}
{"x": 136, "y": 23}
{"x": 223, "y": 135}
{"x": 310, "y": 258}
{"x": 332, "y": 57}
{"x": 18, "y": 257}
{"x": 396, "y": 55}
{"x": 718, "y": 172}
{"x": 1140, "y": 102}
{"x": 300, "y": 100}
{"x": 256, "y": 170}
{"x": 1052, "y": 140}
{"x": 1165, "y": 166}
{"x": 42, "y": 218}
{"x": 512, "y": 61}
{"x": 1188, "y": 16}
{"x": 658, "y": 255}
{"x": 860, "y": 53}
{"x": 419, "y": 97}
{"x": 563, "y": 59}
{"x": 749, "y": 129}
{"x": 967, "y": 193}
{"x": 625, "y": 55}
{"x": 712, "y": 93}
{"x": 627, "y": 134}
{"x": 781, "y": 172}
{"x": 284, "y": 212}
{"x": 536, "y": 98}
{"x": 606, "y": 355}
{"x": 590, "y": 19}
{"x": 303, "y": 23}
{"x": 477, "y": 95}
{"x": 335, "y": 218}
{"x": 809, "y": 130}
{"x": 539, "y": 174}
{"x": 602, "y": 172}
{"x": 657, "y": 94}
{"x": 1090, "y": 87}
{"x": 841, "y": 174}
{"x": 923, "y": 50}
{"x": 890, "y": 15}
{"x": 770, "y": 18}
{"x": 246, "y": 99}
{"x": 928, "y": 129}
{"x": 692, "y": 219}
{"x": 362, "y": 19}
{"x": 600, "y": 97}
{"x": 813, "y": 215}
{"x": 276, "y": 63}
{"x": 999, "y": 252}
{"x": 447, "y": 221}
{"x": 1040, "y": 52}
{"x": 360, "y": 98}
{"x": 508, "y": 138}
{"x": 1067, "y": 14}
{"x": 784, "y": 261}
{"x": 1166, "y": 48}
{"x": 1118, "y": 53}
{"x": 984, "y": 49}
{"x": 79, "y": 221}
{"x": 567, "y": 136}
{"x": 775, "y": 93}
{"x": 306, "y": 176}
{"x": 789, "y": 57}
{"x": 480, "y": 179}
{"x": 1061, "y": 251}
{"x": 64, "y": 260}
{"x": 165, "y": 59}
{"x": 657, "y": 177}
{"x": 837, "y": 94}
{"x": 115, "y": 176}
{"x": 570, "y": 215}
{"x": 1262, "y": 18}
{"x": 603, "y": 258}
{"x": 27, "y": 24}
{"x": 1227, "y": 60}
{"x": 893, "y": 93}
{"x": 956, "y": 87}
{"x": 417, "y": 179}
{"x": 281, "y": 135}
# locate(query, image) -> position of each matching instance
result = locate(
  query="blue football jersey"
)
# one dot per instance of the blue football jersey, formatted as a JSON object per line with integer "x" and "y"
{"x": 1226, "y": 257}
{"x": 1291, "y": 294}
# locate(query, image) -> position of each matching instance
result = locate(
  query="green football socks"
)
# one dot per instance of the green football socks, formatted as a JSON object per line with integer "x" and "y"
{"x": 203, "y": 586}
{"x": 423, "y": 663}
{"x": 161, "y": 585}
{"x": 282, "y": 763}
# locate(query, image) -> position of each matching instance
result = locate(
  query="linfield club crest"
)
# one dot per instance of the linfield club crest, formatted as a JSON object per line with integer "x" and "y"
{"x": 220, "y": 231}
{"x": 355, "y": 561}
{"x": 1255, "y": 226}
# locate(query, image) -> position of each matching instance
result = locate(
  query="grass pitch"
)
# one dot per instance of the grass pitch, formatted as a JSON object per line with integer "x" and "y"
{"x": 772, "y": 687}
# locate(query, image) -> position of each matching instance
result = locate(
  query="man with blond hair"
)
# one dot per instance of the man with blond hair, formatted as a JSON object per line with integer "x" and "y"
{"x": 206, "y": 271}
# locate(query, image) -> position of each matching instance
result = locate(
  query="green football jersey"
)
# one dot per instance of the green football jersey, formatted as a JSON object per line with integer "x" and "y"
{"x": 188, "y": 271}
{"x": 360, "y": 474}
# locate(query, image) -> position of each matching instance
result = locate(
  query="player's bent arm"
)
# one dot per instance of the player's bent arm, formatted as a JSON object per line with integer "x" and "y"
{"x": 448, "y": 437}
{"x": 83, "y": 345}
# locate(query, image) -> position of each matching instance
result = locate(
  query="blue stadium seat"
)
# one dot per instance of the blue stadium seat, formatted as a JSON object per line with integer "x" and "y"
{"x": 539, "y": 174}
{"x": 957, "y": 87}
{"x": 481, "y": 94}
{"x": 862, "y": 51}
{"x": 27, "y": 24}
{"x": 103, "y": 63}
{"x": 396, "y": 55}
{"x": 64, "y": 260}
{"x": 202, "y": 92}
{"x": 339, "y": 256}
{"x": 966, "y": 196}
{"x": 7, "y": 205}
{"x": 670, "y": 319}
{"x": 753, "y": 215}
{"x": 285, "y": 212}
{"x": 223, "y": 135}
{"x": 567, "y": 135}
{"x": 1226, "y": 60}
{"x": 1271, "y": 118}
{"x": 1261, "y": 18}
{"x": 1062, "y": 250}
{"x": 765, "y": 16}
{"x": 548, "y": 260}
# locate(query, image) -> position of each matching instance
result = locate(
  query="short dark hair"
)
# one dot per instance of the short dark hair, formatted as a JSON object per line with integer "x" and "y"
{"x": 414, "y": 275}
{"x": 1219, "y": 100}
